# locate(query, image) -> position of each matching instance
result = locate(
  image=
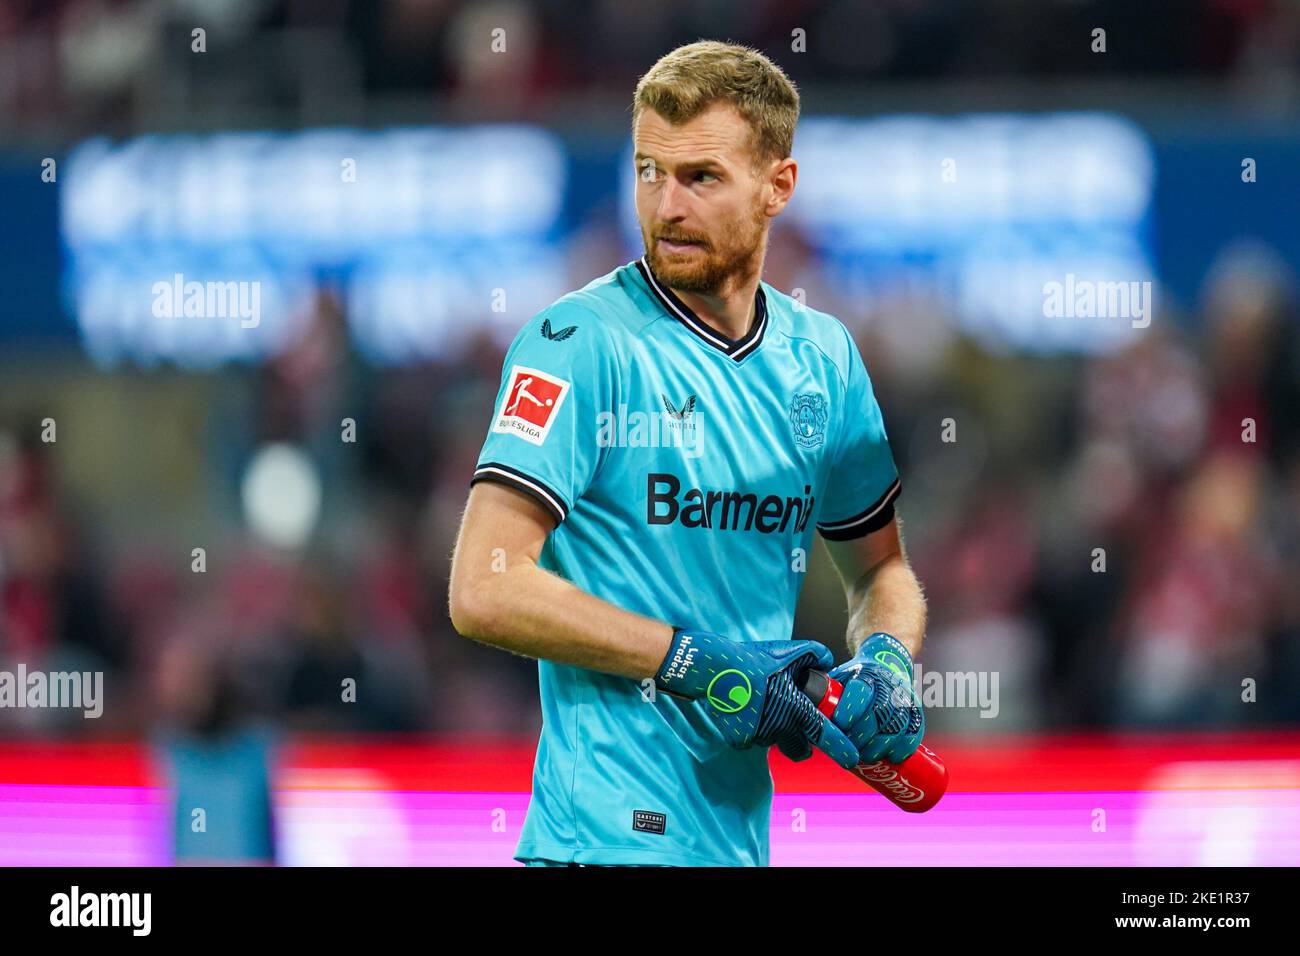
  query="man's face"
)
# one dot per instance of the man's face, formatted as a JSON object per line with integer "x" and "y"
{"x": 702, "y": 206}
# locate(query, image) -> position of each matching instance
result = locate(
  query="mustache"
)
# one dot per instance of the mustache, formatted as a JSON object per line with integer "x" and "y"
{"x": 699, "y": 240}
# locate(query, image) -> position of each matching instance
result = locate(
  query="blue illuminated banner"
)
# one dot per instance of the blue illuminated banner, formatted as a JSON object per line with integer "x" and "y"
{"x": 420, "y": 229}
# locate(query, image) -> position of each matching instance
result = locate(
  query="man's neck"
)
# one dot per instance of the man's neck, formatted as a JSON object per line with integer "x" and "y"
{"x": 731, "y": 310}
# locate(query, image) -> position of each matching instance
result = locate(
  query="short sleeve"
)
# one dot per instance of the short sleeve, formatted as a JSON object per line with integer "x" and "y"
{"x": 559, "y": 375}
{"x": 863, "y": 484}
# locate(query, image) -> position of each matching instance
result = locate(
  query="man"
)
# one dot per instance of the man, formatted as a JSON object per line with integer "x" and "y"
{"x": 639, "y": 526}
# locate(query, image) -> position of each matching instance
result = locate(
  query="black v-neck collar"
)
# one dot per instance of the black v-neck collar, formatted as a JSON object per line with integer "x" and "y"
{"x": 737, "y": 349}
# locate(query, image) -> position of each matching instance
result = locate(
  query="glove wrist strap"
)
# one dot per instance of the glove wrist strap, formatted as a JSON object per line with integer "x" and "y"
{"x": 682, "y": 673}
{"x": 888, "y": 650}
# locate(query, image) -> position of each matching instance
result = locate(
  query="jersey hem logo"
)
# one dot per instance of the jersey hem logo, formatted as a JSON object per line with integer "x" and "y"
{"x": 530, "y": 404}
{"x": 647, "y": 821}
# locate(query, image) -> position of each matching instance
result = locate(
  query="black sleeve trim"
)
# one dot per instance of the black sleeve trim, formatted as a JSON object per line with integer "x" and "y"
{"x": 865, "y": 522}
{"x": 547, "y": 496}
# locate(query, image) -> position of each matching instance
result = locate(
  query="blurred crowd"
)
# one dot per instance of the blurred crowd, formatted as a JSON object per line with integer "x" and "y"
{"x": 1119, "y": 537}
{"x": 132, "y": 63}
{"x": 1116, "y": 536}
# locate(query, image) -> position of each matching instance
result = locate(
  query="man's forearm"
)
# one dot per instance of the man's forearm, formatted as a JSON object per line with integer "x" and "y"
{"x": 530, "y": 611}
{"x": 888, "y": 598}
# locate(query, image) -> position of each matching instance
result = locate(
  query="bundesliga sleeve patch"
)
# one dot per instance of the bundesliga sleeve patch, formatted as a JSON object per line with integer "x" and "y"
{"x": 530, "y": 404}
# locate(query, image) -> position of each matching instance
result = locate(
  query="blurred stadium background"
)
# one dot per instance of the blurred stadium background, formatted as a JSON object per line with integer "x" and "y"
{"x": 405, "y": 196}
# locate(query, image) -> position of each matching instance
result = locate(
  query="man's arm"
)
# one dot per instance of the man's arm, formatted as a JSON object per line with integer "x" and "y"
{"x": 500, "y": 596}
{"x": 883, "y": 593}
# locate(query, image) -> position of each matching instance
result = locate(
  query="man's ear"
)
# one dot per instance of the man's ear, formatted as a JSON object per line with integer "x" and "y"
{"x": 781, "y": 178}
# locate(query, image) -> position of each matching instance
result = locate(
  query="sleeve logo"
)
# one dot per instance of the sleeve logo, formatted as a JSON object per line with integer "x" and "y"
{"x": 559, "y": 336}
{"x": 530, "y": 404}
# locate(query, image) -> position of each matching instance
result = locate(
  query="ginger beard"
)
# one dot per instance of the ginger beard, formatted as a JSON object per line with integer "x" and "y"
{"x": 730, "y": 256}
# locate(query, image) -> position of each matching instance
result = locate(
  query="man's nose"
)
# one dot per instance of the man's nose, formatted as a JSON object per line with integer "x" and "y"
{"x": 672, "y": 201}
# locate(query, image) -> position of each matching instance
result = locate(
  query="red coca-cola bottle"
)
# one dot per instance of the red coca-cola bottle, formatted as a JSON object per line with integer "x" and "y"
{"x": 915, "y": 785}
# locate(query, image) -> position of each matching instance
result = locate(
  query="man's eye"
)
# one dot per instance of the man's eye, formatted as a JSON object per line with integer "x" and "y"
{"x": 649, "y": 172}
{"x": 699, "y": 177}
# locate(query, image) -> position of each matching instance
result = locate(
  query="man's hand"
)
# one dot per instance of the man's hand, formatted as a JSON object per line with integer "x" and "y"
{"x": 751, "y": 692}
{"x": 878, "y": 709}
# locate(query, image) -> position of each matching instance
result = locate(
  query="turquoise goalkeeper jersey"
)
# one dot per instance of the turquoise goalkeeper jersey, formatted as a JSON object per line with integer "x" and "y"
{"x": 687, "y": 473}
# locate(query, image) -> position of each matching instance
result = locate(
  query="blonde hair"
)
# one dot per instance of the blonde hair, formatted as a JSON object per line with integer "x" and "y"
{"x": 688, "y": 80}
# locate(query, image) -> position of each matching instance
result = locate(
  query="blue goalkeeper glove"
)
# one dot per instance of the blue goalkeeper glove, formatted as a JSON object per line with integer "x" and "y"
{"x": 879, "y": 710}
{"x": 750, "y": 690}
